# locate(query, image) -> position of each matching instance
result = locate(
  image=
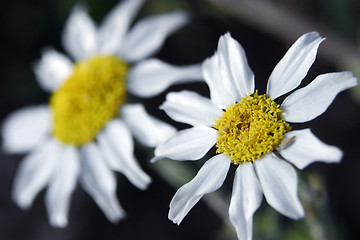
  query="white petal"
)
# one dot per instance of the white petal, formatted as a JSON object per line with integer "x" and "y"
{"x": 245, "y": 200}
{"x": 278, "y": 180}
{"x": 293, "y": 67}
{"x": 34, "y": 172}
{"x": 235, "y": 71}
{"x": 147, "y": 36}
{"x": 148, "y": 130}
{"x": 52, "y": 69}
{"x": 116, "y": 144}
{"x": 79, "y": 36}
{"x": 209, "y": 178}
{"x": 311, "y": 101}
{"x": 112, "y": 30}
{"x": 307, "y": 148}
{"x": 191, "y": 108}
{"x": 188, "y": 144}
{"x": 152, "y": 77}
{"x": 24, "y": 129}
{"x": 219, "y": 94}
{"x": 99, "y": 181}
{"x": 62, "y": 185}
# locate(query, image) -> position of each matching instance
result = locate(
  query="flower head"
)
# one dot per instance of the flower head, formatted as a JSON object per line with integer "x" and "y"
{"x": 85, "y": 133}
{"x": 251, "y": 131}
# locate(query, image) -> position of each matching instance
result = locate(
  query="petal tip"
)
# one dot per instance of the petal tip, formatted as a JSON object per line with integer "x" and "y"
{"x": 338, "y": 155}
{"x": 155, "y": 159}
{"x": 146, "y": 183}
{"x": 300, "y": 214}
{"x": 59, "y": 222}
{"x": 22, "y": 202}
{"x": 175, "y": 220}
{"x": 118, "y": 217}
{"x": 182, "y": 16}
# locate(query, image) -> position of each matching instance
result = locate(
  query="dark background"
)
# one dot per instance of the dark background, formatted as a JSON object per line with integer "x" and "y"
{"x": 29, "y": 26}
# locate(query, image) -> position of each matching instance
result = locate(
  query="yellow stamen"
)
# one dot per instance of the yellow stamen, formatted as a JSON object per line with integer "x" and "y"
{"x": 88, "y": 99}
{"x": 250, "y": 128}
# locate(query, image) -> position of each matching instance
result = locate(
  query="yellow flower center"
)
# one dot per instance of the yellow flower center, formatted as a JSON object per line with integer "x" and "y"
{"x": 88, "y": 99}
{"x": 250, "y": 128}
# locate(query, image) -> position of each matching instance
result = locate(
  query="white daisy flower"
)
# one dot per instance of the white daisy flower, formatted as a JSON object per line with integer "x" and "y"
{"x": 251, "y": 131}
{"x": 85, "y": 133}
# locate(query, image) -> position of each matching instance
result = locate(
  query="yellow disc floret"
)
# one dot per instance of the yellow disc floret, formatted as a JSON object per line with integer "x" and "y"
{"x": 250, "y": 128}
{"x": 88, "y": 99}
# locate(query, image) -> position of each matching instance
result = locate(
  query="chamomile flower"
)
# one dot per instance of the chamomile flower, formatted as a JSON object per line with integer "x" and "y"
{"x": 85, "y": 133}
{"x": 251, "y": 131}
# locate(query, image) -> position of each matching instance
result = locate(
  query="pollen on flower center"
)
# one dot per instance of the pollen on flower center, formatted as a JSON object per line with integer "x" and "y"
{"x": 250, "y": 128}
{"x": 88, "y": 99}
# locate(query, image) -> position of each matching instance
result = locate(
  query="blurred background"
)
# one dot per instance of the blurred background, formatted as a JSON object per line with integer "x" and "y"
{"x": 330, "y": 193}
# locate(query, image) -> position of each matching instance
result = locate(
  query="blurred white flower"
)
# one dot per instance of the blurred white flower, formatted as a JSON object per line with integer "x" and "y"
{"x": 251, "y": 131}
{"x": 85, "y": 133}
